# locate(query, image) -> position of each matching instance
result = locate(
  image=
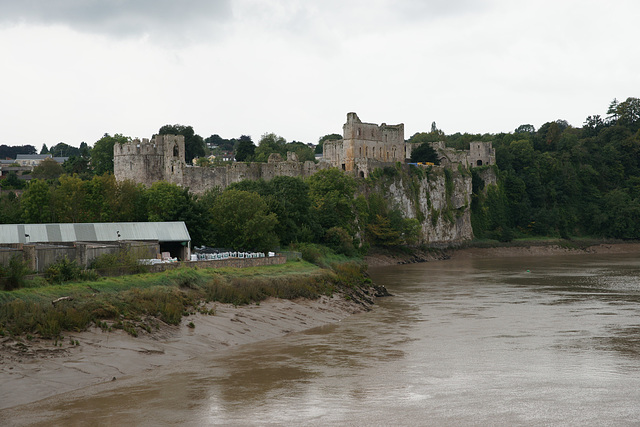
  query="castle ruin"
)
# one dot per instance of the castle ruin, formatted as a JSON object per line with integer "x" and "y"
{"x": 364, "y": 147}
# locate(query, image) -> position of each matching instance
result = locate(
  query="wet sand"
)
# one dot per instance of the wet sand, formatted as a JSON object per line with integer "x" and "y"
{"x": 37, "y": 369}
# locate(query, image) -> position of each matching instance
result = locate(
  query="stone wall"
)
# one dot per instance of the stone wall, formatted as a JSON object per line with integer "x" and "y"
{"x": 221, "y": 263}
{"x": 163, "y": 159}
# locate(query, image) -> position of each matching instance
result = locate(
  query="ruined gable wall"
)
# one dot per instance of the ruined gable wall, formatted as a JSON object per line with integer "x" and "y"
{"x": 333, "y": 152}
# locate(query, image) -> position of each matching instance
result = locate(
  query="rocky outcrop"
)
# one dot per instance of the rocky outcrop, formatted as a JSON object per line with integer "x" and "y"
{"x": 438, "y": 197}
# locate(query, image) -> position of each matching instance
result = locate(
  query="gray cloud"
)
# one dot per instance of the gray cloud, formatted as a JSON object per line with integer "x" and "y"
{"x": 119, "y": 17}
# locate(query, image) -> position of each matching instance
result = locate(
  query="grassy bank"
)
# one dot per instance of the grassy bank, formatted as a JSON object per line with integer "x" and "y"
{"x": 141, "y": 301}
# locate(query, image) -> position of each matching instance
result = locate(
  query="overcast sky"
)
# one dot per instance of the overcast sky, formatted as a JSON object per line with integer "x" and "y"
{"x": 73, "y": 70}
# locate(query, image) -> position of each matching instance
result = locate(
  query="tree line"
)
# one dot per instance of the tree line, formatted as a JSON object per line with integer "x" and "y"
{"x": 563, "y": 181}
{"x": 252, "y": 215}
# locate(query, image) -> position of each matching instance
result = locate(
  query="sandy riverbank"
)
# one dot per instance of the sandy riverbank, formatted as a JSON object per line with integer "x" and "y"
{"x": 37, "y": 369}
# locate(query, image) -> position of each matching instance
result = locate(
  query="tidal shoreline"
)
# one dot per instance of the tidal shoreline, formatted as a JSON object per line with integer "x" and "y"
{"x": 40, "y": 370}
{"x": 534, "y": 249}
{"x": 35, "y": 370}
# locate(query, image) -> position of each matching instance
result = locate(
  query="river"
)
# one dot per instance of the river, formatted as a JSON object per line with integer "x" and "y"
{"x": 512, "y": 341}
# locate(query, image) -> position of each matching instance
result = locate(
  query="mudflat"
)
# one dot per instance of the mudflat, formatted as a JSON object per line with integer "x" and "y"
{"x": 37, "y": 369}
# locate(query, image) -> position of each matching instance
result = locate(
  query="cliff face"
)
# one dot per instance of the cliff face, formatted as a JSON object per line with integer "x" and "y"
{"x": 439, "y": 198}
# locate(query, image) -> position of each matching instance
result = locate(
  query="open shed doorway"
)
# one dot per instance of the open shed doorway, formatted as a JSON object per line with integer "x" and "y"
{"x": 175, "y": 249}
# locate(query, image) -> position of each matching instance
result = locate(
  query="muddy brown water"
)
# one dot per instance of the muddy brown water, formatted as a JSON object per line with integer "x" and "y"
{"x": 516, "y": 341}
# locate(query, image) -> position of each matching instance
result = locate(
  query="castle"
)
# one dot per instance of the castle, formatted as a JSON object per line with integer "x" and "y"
{"x": 364, "y": 147}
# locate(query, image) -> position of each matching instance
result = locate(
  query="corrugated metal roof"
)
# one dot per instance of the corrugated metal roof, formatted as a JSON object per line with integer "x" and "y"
{"x": 94, "y": 232}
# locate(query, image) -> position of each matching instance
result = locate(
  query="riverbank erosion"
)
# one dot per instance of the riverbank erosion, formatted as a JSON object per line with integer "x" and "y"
{"x": 282, "y": 300}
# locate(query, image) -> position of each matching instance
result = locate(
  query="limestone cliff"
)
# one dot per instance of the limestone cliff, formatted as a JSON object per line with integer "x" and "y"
{"x": 438, "y": 197}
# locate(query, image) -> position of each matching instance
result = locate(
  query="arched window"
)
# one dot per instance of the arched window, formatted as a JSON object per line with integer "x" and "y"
{"x": 176, "y": 152}
{"x": 479, "y": 163}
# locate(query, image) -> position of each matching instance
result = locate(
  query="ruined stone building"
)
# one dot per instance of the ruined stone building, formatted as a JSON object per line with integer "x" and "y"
{"x": 163, "y": 159}
{"x": 364, "y": 147}
{"x": 481, "y": 154}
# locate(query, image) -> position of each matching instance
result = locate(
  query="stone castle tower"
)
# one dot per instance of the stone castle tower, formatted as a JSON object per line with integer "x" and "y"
{"x": 162, "y": 158}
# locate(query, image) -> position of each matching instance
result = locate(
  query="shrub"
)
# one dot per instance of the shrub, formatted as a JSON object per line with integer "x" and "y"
{"x": 338, "y": 239}
{"x": 14, "y": 274}
{"x": 123, "y": 259}
{"x": 63, "y": 270}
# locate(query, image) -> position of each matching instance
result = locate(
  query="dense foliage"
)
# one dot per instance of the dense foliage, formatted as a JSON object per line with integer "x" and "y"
{"x": 555, "y": 181}
{"x": 564, "y": 181}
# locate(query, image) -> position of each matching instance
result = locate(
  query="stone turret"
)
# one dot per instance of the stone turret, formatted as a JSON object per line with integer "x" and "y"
{"x": 144, "y": 161}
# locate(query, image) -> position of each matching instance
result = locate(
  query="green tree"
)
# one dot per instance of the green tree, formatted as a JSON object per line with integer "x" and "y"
{"x": 244, "y": 149}
{"x": 44, "y": 149}
{"x": 36, "y": 203}
{"x": 424, "y": 153}
{"x": 628, "y": 113}
{"x": 302, "y": 150}
{"x": 240, "y": 220}
{"x": 193, "y": 144}
{"x": 434, "y": 136}
{"x": 332, "y": 199}
{"x": 169, "y": 202}
{"x": 165, "y": 201}
{"x": 10, "y": 212}
{"x": 102, "y": 152}
{"x": 79, "y": 165}
{"x": 381, "y": 233}
{"x": 68, "y": 199}
{"x": 64, "y": 150}
{"x": 525, "y": 129}
{"x": 288, "y": 198}
{"x": 12, "y": 182}
{"x": 270, "y": 143}
{"x": 47, "y": 169}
